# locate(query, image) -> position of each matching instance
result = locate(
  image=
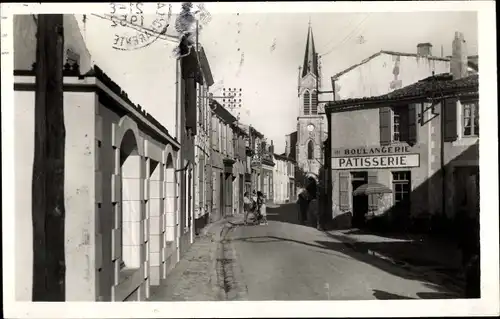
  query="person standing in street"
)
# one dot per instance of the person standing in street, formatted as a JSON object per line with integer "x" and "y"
{"x": 247, "y": 206}
{"x": 261, "y": 204}
{"x": 303, "y": 205}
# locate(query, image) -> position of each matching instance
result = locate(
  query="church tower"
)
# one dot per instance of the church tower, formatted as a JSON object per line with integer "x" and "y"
{"x": 311, "y": 128}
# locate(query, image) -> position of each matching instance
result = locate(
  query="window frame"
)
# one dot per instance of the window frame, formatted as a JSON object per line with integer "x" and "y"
{"x": 310, "y": 152}
{"x": 473, "y": 117}
{"x": 307, "y": 102}
{"x": 401, "y": 181}
{"x": 314, "y": 102}
{"x": 403, "y": 131}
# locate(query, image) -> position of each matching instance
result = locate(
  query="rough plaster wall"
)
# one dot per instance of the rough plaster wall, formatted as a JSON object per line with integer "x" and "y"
{"x": 79, "y": 194}
{"x": 354, "y": 129}
{"x": 25, "y": 42}
{"x": 376, "y": 76}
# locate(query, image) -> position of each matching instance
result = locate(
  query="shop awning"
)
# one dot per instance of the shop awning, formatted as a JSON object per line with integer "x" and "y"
{"x": 372, "y": 188}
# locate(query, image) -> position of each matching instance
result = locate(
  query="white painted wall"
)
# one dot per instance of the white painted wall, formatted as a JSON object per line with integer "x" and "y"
{"x": 374, "y": 77}
{"x": 79, "y": 193}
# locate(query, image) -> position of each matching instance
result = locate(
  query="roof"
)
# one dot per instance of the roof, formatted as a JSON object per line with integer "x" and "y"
{"x": 311, "y": 56}
{"x": 205, "y": 66}
{"x": 428, "y": 87}
{"x": 283, "y": 157}
{"x": 473, "y": 63}
{"x": 221, "y": 112}
{"x": 115, "y": 88}
{"x": 247, "y": 129}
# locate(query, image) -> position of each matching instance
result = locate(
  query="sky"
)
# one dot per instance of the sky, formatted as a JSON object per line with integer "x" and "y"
{"x": 261, "y": 54}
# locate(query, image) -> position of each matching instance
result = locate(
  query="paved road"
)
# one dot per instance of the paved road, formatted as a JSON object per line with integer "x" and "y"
{"x": 286, "y": 261}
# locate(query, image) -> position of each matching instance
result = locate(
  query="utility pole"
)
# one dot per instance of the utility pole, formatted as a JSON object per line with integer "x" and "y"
{"x": 48, "y": 211}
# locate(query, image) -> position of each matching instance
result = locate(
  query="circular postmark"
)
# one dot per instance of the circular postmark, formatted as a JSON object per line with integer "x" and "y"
{"x": 135, "y": 29}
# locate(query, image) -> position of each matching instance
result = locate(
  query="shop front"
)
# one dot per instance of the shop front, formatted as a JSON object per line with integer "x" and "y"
{"x": 379, "y": 181}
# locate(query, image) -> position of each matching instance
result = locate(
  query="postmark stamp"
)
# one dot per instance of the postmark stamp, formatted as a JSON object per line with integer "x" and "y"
{"x": 136, "y": 29}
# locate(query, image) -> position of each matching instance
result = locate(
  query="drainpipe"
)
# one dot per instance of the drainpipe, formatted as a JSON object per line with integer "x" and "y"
{"x": 443, "y": 168}
{"x": 178, "y": 133}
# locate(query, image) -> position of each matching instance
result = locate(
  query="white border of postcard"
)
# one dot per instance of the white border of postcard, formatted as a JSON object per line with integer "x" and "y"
{"x": 487, "y": 305}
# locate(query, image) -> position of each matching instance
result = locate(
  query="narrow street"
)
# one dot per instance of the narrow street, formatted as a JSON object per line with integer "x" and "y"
{"x": 286, "y": 261}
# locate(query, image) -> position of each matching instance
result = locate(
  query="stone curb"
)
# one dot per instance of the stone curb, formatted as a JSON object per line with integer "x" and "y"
{"x": 456, "y": 283}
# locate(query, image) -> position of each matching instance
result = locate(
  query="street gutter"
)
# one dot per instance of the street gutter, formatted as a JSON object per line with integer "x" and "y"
{"x": 229, "y": 283}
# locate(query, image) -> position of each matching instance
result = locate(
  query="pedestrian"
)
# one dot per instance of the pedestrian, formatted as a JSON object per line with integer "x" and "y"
{"x": 261, "y": 203}
{"x": 247, "y": 206}
{"x": 303, "y": 205}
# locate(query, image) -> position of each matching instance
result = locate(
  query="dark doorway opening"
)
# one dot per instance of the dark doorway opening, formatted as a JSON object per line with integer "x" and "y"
{"x": 359, "y": 202}
{"x": 222, "y": 195}
{"x": 401, "y": 187}
{"x": 240, "y": 195}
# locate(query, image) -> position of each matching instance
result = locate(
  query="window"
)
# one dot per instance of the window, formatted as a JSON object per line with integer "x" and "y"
{"x": 470, "y": 119}
{"x": 314, "y": 103}
{"x": 307, "y": 103}
{"x": 401, "y": 186}
{"x": 310, "y": 150}
{"x": 400, "y": 126}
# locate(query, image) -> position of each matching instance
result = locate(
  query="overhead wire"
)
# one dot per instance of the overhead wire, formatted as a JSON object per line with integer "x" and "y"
{"x": 348, "y": 36}
{"x": 351, "y": 22}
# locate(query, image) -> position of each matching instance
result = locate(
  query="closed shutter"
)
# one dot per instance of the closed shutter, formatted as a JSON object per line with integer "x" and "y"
{"x": 372, "y": 198}
{"x": 213, "y": 134}
{"x": 450, "y": 120}
{"x": 385, "y": 125}
{"x": 183, "y": 95}
{"x": 201, "y": 177}
{"x": 413, "y": 123}
{"x": 344, "y": 191}
{"x": 199, "y": 90}
{"x": 190, "y": 105}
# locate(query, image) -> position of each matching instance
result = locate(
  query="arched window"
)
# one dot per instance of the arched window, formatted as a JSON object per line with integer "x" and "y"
{"x": 314, "y": 103}
{"x": 307, "y": 103}
{"x": 310, "y": 150}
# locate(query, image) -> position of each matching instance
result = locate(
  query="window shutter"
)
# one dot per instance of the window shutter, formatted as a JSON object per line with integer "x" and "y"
{"x": 450, "y": 120}
{"x": 183, "y": 96}
{"x": 412, "y": 123}
{"x": 191, "y": 105}
{"x": 344, "y": 190}
{"x": 385, "y": 125}
{"x": 214, "y": 133}
{"x": 372, "y": 198}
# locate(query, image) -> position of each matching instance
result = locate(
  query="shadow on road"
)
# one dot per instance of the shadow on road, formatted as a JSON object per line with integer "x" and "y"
{"x": 384, "y": 295}
{"x": 273, "y": 239}
{"x": 363, "y": 252}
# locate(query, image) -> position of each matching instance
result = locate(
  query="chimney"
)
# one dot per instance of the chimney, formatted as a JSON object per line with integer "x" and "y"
{"x": 458, "y": 64}
{"x": 424, "y": 49}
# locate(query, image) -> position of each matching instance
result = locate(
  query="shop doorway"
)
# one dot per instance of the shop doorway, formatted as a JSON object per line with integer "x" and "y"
{"x": 222, "y": 196}
{"x": 401, "y": 187}
{"x": 359, "y": 202}
{"x": 240, "y": 193}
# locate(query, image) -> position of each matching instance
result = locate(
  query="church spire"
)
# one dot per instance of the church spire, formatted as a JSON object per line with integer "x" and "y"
{"x": 310, "y": 58}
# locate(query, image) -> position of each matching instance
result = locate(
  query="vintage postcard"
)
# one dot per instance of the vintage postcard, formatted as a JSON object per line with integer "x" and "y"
{"x": 258, "y": 159}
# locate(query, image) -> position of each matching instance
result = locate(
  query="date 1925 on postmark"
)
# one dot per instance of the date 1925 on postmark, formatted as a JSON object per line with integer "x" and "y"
{"x": 134, "y": 28}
